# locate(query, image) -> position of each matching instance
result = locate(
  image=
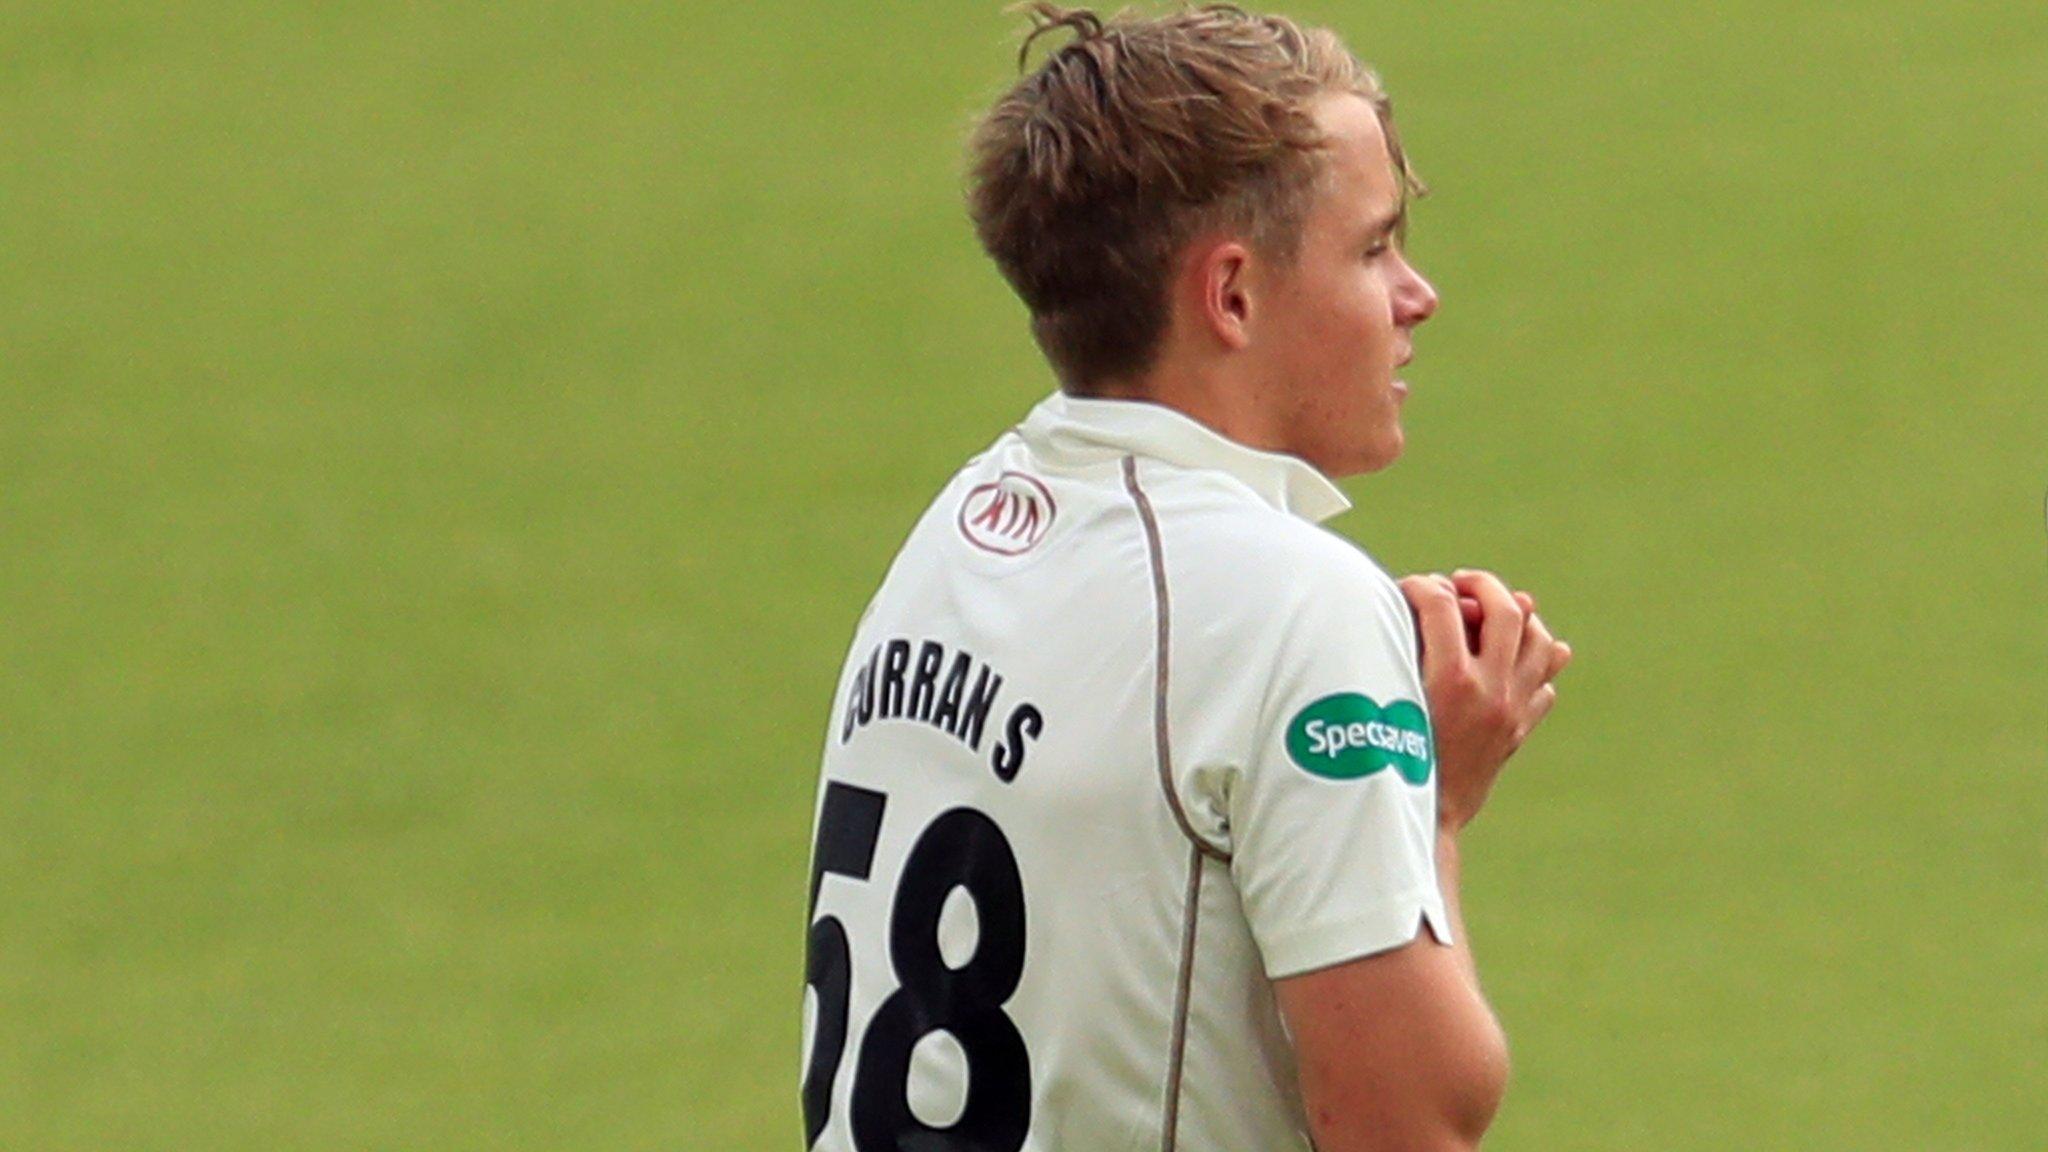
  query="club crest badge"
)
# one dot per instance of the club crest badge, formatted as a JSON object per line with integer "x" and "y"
{"x": 1007, "y": 516}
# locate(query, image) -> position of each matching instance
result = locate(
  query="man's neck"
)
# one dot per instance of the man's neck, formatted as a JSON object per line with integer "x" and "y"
{"x": 1227, "y": 407}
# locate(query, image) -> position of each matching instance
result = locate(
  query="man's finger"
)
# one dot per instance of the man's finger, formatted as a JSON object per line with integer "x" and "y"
{"x": 1436, "y": 615}
{"x": 1500, "y": 634}
{"x": 1560, "y": 656}
{"x": 1539, "y": 706}
{"x": 1471, "y": 614}
{"x": 1539, "y": 649}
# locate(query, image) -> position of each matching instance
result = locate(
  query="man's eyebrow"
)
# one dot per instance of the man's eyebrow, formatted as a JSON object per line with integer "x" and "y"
{"x": 1388, "y": 221}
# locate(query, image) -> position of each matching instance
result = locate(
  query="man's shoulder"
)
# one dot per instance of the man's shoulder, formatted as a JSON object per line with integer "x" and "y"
{"x": 1238, "y": 566}
{"x": 1238, "y": 543}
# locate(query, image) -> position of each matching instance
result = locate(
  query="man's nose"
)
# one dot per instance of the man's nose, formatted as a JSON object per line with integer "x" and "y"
{"x": 1417, "y": 299}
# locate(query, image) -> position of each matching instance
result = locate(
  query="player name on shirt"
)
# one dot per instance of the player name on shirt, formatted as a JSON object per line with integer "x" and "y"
{"x": 915, "y": 680}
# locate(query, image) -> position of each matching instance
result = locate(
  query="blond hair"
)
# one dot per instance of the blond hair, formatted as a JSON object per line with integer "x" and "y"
{"x": 1137, "y": 134}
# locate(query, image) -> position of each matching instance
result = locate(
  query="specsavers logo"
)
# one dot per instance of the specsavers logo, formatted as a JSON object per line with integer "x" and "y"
{"x": 1346, "y": 736}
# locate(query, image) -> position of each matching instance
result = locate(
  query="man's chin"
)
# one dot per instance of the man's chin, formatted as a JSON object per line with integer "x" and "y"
{"x": 1366, "y": 458}
{"x": 1384, "y": 454}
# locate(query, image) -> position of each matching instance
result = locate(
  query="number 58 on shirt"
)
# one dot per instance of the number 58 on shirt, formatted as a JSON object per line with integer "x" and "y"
{"x": 960, "y": 848}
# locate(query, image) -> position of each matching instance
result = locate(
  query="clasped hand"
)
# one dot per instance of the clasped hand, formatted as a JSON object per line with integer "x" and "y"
{"x": 1488, "y": 662}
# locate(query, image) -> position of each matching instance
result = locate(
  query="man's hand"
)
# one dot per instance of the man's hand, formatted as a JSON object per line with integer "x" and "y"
{"x": 1487, "y": 666}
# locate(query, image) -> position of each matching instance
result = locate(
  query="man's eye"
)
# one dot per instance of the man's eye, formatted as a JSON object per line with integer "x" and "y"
{"x": 1378, "y": 249}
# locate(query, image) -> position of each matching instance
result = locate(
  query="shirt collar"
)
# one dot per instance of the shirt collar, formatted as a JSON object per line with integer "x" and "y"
{"x": 1076, "y": 425}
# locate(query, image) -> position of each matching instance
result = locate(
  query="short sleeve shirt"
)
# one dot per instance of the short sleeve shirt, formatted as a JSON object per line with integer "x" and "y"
{"x": 1123, "y": 737}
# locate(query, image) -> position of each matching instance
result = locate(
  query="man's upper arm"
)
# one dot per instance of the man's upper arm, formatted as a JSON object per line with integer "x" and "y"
{"x": 1332, "y": 819}
{"x": 1396, "y": 1051}
{"x": 1332, "y": 807}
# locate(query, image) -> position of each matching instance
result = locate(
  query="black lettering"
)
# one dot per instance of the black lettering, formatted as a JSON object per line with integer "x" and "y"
{"x": 893, "y": 663}
{"x": 975, "y": 715}
{"x": 929, "y": 658}
{"x": 853, "y": 695}
{"x": 1025, "y": 725}
{"x": 867, "y": 685}
{"x": 947, "y": 714}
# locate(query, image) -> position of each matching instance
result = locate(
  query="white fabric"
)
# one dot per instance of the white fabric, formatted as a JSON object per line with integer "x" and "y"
{"x": 1046, "y": 580}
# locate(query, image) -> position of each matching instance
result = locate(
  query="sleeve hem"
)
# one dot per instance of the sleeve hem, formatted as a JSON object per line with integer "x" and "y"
{"x": 1390, "y": 924}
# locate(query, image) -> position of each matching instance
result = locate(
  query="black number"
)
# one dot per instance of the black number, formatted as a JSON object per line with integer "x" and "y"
{"x": 961, "y": 849}
{"x": 849, "y": 823}
{"x": 964, "y": 849}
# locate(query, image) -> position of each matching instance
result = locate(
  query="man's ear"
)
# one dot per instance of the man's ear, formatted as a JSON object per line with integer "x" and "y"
{"x": 1222, "y": 275}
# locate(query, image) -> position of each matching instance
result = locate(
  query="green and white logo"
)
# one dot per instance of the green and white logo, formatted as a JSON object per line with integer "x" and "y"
{"x": 1347, "y": 737}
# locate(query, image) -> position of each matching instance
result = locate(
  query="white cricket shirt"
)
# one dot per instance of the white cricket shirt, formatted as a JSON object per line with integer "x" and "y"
{"x": 1123, "y": 736}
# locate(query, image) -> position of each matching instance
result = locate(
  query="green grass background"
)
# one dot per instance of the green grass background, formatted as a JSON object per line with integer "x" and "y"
{"x": 444, "y": 450}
